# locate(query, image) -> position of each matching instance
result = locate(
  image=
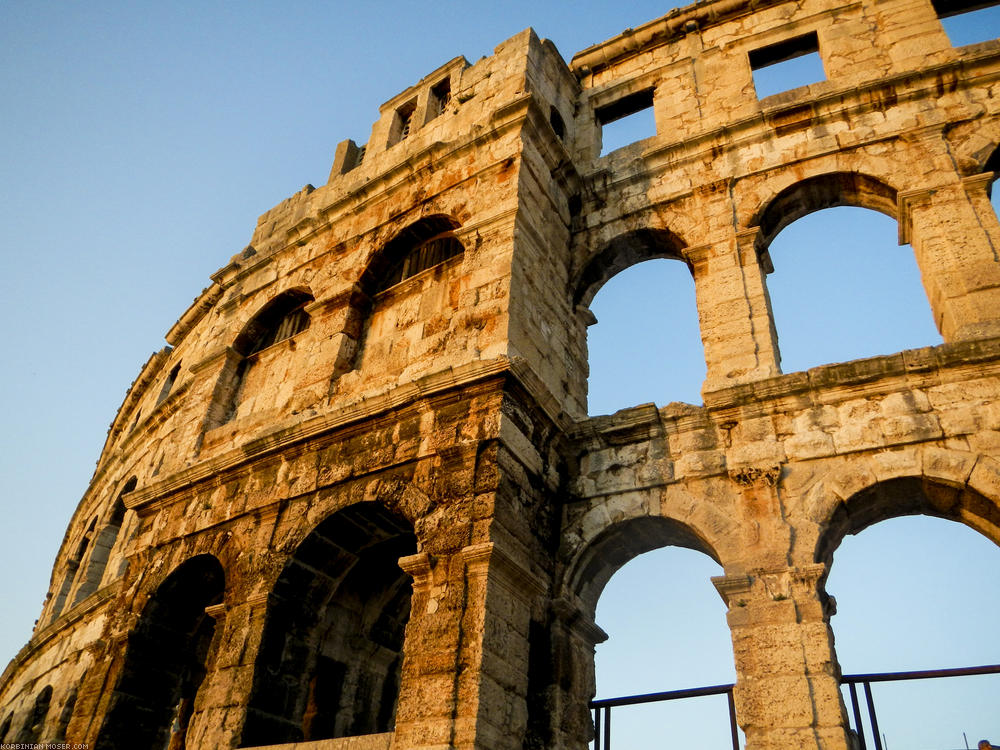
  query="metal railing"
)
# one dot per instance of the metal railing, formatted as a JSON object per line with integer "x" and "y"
{"x": 866, "y": 680}
{"x": 602, "y": 724}
{"x": 602, "y": 708}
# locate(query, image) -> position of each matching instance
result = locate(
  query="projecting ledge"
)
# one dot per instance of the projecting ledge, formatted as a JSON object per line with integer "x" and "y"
{"x": 361, "y": 742}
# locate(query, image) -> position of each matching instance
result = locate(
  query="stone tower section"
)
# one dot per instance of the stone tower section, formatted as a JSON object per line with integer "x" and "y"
{"x": 358, "y": 501}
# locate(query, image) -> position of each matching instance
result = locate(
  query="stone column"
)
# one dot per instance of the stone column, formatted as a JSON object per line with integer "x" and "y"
{"x": 787, "y": 689}
{"x": 574, "y": 639}
{"x": 465, "y": 667}
{"x": 107, "y": 657}
{"x": 734, "y": 311}
{"x": 435, "y": 704}
{"x": 953, "y": 230}
{"x": 220, "y": 706}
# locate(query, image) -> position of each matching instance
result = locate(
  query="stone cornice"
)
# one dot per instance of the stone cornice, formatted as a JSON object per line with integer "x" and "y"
{"x": 952, "y": 362}
{"x": 289, "y": 435}
{"x": 655, "y": 33}
{"x": 193, "y": 315}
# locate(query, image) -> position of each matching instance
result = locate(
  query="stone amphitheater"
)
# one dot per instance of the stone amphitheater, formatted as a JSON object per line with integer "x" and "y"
{"x": 358, "y": 502}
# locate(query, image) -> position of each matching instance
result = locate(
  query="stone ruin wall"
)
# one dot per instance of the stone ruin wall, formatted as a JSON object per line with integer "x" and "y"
{"x": 441, "y": 421}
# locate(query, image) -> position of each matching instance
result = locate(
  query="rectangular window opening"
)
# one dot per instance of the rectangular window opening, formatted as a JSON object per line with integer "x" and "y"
{"x": 440, "y": 96}
{"x": 626, "y": 121}
{"x": 404, "y": 122}
{"x": 968, "y": 21}
{"x": 787, "y": 65}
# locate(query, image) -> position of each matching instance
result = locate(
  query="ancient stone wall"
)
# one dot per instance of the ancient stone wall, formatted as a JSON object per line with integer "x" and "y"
{"x": 358, "y": 501}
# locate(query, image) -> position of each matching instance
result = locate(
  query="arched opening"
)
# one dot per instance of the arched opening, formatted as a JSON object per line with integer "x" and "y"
{"x": 915, "y": 589}
{"x": 409, "y": 273}
{"x": 667, "y": 630}
{"x": 252, "y": 365}
{"x": 422, "y": 245}
{"x": 168, "y": 383}
{"x": 72, "y": 567}
{"x": 842, "y": 288}
{"x": 34, "y": 722}
{"x": 101, "y": 552}
{"x": 330, "y": 659}
{"x": 5, "y": 727}
{"x": 644, "y": 342}
{"x": 648, "y": 583}
{"x": 993, "y": 165}
{"x": 166, "y": 660}
{"x": 65, "y": 716}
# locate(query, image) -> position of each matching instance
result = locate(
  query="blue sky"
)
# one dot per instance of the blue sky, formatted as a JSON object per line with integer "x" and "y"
{"x": 141, "y": 142}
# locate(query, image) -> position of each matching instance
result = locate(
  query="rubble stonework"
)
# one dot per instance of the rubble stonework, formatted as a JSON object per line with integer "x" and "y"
{"x": 358, "y": 502}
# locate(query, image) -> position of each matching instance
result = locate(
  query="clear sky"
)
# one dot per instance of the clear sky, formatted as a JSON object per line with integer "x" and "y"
{"x": 140, "y": 143}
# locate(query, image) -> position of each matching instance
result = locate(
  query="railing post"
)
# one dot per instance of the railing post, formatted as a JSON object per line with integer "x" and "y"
{"x": 857, "y": 715}
{"x": 597, "y": 728}
{"x": 607, "y": 728}
{"x": 732, "y": 719}
{"x": 871, "y": 715}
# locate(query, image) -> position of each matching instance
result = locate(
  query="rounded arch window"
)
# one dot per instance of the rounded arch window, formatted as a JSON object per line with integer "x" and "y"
{"x": 841, "y": 287}
{"x": 282, "y": 318}
{"x": 911, "y": 564}
{"x": 637, "y": 282}
{"x": 279, "y": 320}
{"x": 420, "y": 246}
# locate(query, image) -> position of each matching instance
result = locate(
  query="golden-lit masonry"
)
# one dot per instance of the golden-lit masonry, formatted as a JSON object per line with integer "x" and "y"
{"x": 358, "y": 502}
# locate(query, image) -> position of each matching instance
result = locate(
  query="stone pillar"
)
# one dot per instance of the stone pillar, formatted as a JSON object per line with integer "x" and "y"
{"x": 107, "y": 657}
{"x": 436, "y": 701}
{"x": 511, "y": 591}
{"x": 465, "y": 667}
{"x": 574, "y": 639}
{"x": 787, "y": 689}
{"x": 953, "y": 230}
{"x": 734, "y": 311}
{"x": 344, "y": 315}
{"x": 220, "y": 706}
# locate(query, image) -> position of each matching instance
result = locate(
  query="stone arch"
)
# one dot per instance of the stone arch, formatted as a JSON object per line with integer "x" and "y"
{"x": 104, "y": 544}
{"x": 623, "y": 251}
{"x": 606, "y": 540}
{"x": 418, "y": 246}
{"x": 330, "y": 659}
{"x": 279, "y": 319}
{"x": 397, "y": 496}
{"x": 34, "y": 722}
{"x": 993, "y": 162}
{"x": 618, "y": 543}
{"x": 952, "y": 485}
{"x": 73, "y": 566}
{"x": 840, "y": 188}
{"x": 666, "y": 290}
{"x": 65, "y": 716}
{"x": 166, "y": 659}
{"x": 421, "y": 245}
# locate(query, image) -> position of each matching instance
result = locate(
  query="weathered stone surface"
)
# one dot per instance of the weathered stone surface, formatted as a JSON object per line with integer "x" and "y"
{"x": 358, "y": 503}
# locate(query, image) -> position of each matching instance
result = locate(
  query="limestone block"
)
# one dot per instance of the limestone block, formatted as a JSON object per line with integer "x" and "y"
{"x": 699, "y": 463}
{"x": 909, "y": 429}
{"x": 953, "y": 467}
{"x": 811, "y": 444}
